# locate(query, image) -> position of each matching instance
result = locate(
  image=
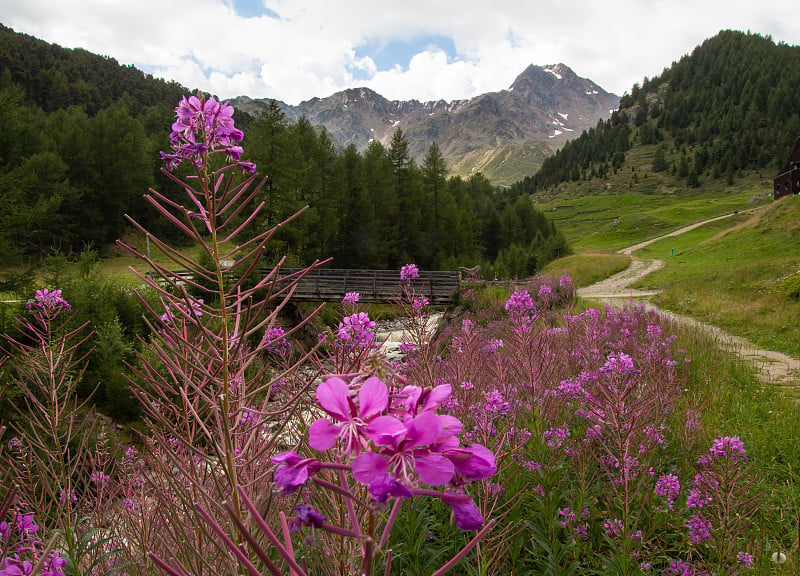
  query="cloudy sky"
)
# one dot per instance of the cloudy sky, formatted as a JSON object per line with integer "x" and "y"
{"x": 293, "y": 50}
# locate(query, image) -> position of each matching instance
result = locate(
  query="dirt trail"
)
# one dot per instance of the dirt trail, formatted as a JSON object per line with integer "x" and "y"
{"x": 773, "y": 367}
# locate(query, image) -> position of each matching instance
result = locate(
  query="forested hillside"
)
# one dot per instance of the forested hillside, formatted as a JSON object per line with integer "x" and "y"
{"x": 79, "y": 143}
{"x": 730, "y": 105}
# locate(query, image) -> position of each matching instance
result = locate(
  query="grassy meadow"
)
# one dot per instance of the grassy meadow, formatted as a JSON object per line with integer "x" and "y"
{"x": 740, "y": 274}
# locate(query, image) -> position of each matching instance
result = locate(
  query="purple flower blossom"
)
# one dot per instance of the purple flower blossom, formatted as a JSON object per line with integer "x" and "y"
{"x": 195, "y": 309}
{"x": 680, "y": 568}
{"x": 204, "y": 127}
{"x": 582, "y": 531}
{"x": 555, "y": 437}
{"x": 384, "y": 486}
{"x": 699, "y": 528}
{"x": 419, "y": 303}
{"x": 668, "y": 487}
{"x": 406, "y": 348}
{"x": 100, "y": 478}
{"x": 249, "y": 417}
{"x": 293, "y": 470}
{"x": 405, "y": 450}
{"x": 494, "y": 345}
{"x": 275, "y": 341}
{"x": 519, "y": 302}
{"x": 357, "y": 329}
{"x": 467, "y": 515}
{"x": 333, "y": 395}
{"x": 306, "y": 516}
{"x": 14, "y": 566}
{"x": 351, "y": 298}
{"x": 567, "y": 515}
{"x": 745, "y": 559}
{"x": 49, "y": 300}
{"x": 409, "y": 272}
{"x": 475, "y": 462}
{"x": 728, "y": 447}
{"x": 613, "y": 527}
{"x": 64, "y": 500}
{"x": 26, "y": 525}
{"x": 495, "y": 489}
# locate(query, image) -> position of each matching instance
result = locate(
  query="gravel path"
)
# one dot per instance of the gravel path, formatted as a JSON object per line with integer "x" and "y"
{"x": 773, "y": 367}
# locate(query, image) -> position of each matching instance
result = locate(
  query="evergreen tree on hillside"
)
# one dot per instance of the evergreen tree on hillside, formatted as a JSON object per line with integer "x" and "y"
{"x": 734, "y": 99}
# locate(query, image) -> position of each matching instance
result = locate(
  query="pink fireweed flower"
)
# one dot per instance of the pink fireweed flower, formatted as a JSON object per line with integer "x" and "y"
{"x": 195, "y": 309}
{"x": 293, "y": 470}
{"x": 613, "y": 527}
{"x": 406, "y": 347}
{"x": 520, "y": 302}
{"x": 409, "y": 272}
{"x": 333, "y": 395}
{"x": 745, "y": 559}
{"x": 493, "y": 345}
{"x": 405, "y": 450}
{"x": 49, "y": 300}
{"x": 728, "y": 447}
{"x": 203, "y": 127}
{"x": 555, "y": 437}
{"x": 351, "y": 298}
{"x": 415, "y": 399}
{"x": 699, "y": 528}
{"x": 64, "y": 500}
{"x": 467, "y": 515}
{"x": 357, "y": 329}
{"x": 306, "y": 516}
{"x": 275, "y": 341}
{"x": 419, "y": 303}
{"x": 568, "y": 516}
{"x": 26, "y": 525}
{"x": 668, "y": 487}
{"x": 100, "y": 478}
{"x": 472, "y": 463}
{"x": 384, "y": 486}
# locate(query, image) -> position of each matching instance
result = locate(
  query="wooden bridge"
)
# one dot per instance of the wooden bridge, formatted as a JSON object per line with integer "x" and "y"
{"x": 330, "y": 284}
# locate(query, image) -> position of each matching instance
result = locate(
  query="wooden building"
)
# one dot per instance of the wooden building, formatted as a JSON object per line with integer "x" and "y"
{"x": 788, "y": 179}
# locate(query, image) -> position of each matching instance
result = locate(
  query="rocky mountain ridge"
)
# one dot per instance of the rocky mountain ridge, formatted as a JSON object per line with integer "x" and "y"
{"x": 545, "y": 104}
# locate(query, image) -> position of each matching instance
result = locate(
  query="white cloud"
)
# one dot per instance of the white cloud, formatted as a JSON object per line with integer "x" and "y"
{"x": 316, "y": 47}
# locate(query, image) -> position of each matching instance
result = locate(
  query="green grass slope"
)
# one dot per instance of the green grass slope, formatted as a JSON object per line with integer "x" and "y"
{"x": 634, "y": 203}
{"x": 502, "y": 165}
{"x": 742, "y": 274}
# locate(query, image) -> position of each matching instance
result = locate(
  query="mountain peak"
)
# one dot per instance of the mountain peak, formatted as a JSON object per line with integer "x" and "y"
{"x": 545, "y": 104}
{"x": 542, "y": 75}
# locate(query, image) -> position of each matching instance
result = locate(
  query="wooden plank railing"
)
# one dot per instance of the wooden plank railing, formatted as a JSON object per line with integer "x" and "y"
{"x": 331, "y": 284}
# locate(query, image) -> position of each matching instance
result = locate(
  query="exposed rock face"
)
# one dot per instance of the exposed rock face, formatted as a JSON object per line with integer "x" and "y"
{"x": 549, "y": 104}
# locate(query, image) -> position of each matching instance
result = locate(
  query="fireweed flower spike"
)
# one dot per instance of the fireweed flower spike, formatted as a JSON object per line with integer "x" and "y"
{"x": 351, "y": 298}
{"x": 203, "y": 127}
{"x": 48, "y": 300}
{"x": 409, "y": 272}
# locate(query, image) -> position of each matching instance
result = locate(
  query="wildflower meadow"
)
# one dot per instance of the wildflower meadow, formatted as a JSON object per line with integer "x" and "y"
{"x": 524, "y": 436}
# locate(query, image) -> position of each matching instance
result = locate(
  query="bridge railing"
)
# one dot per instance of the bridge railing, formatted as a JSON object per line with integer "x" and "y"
{"x": 331, "y": 284}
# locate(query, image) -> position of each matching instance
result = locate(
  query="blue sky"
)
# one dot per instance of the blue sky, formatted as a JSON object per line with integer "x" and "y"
{"x": 294, "y": 50}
